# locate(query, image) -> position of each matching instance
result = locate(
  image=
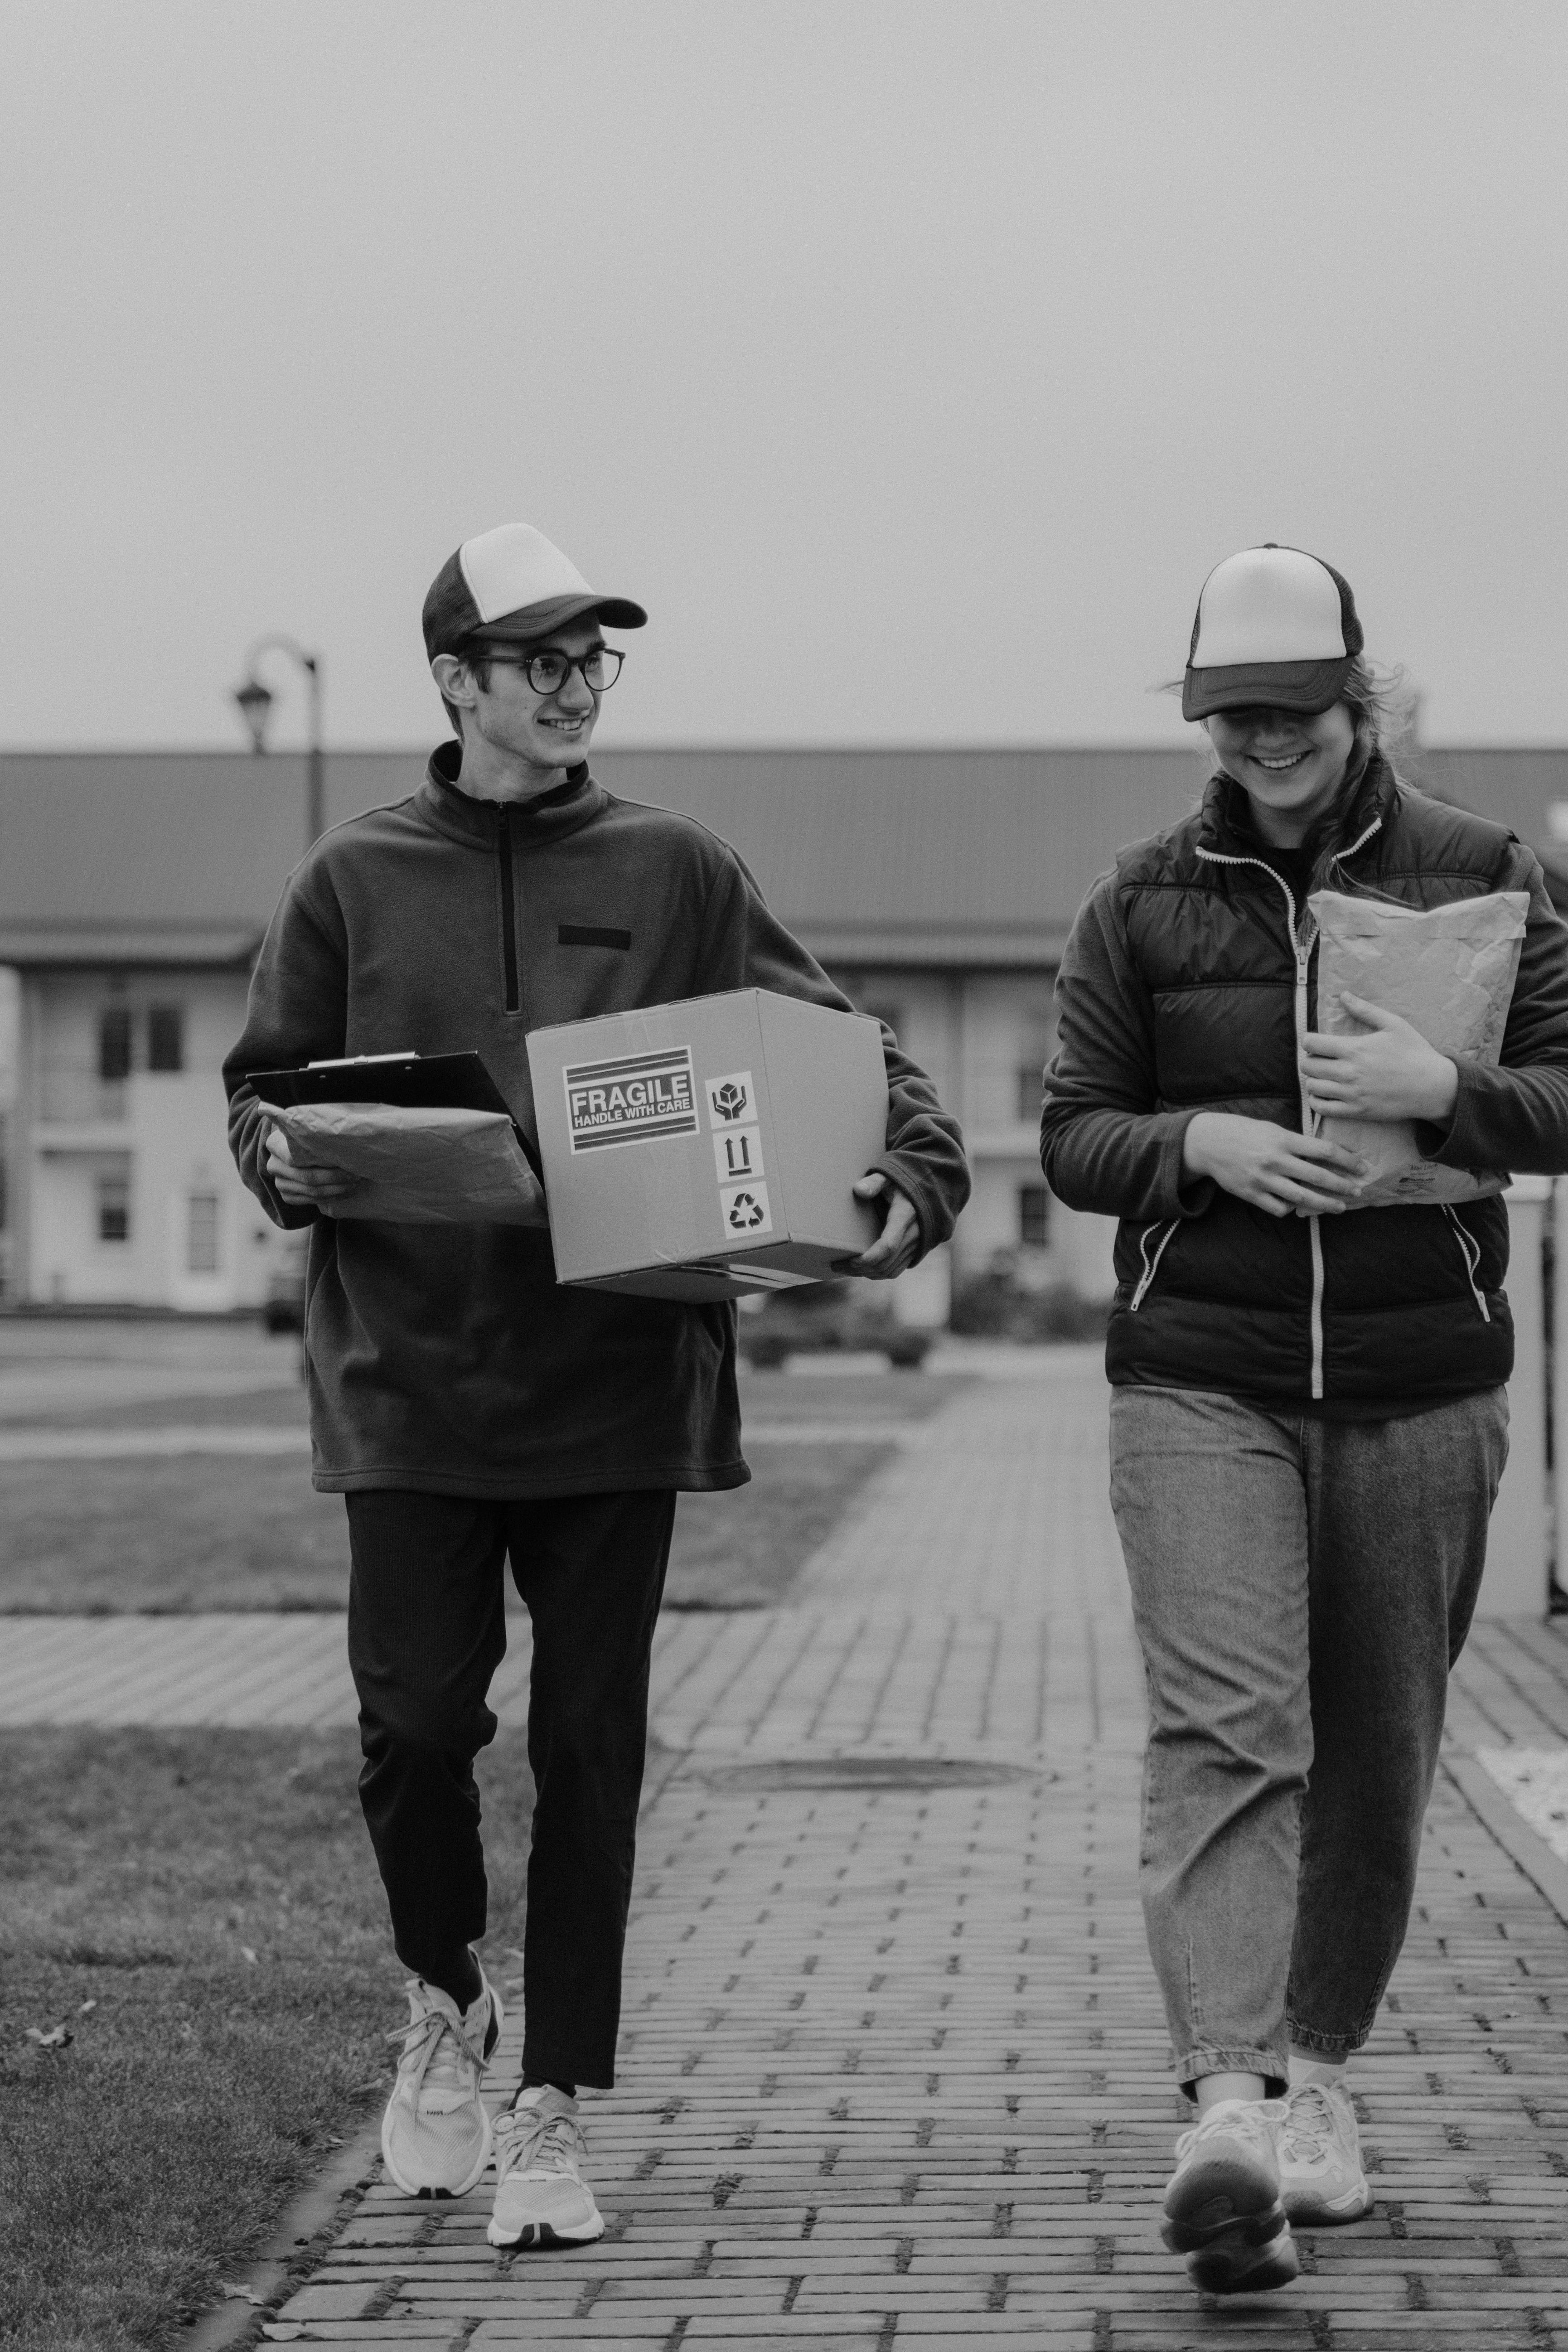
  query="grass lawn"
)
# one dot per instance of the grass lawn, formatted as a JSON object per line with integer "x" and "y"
{"x": 203, "y": 1531}
{"x": 141, "y": 2163}
{"x": 200, "y": 1909}
{"x": 180, "y": 1532}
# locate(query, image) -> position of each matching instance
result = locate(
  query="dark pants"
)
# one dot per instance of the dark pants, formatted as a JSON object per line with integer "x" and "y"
{"x": 426, "y": 1631}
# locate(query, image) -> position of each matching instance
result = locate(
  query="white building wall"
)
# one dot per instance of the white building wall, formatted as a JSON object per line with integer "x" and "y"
{"x": 163, "y": 1131}
{"x": 986, "y": 1039}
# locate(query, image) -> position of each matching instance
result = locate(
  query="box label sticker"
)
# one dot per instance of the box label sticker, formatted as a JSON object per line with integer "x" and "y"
{"x": 731, "y": 1100}
{"x": 630, "y": 1098}
{"x": 745, "y": 1209}
{"x": 739, "y": 1153}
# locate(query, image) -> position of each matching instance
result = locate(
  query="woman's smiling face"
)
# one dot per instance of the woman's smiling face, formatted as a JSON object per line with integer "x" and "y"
{"x": 1291, "y": 763}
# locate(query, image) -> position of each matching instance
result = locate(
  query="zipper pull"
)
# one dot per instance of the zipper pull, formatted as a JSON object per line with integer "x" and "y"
{"x": 511, "y": 984}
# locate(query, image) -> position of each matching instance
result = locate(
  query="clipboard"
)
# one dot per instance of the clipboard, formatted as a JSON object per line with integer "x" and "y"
{"x": 418, "y": 1081}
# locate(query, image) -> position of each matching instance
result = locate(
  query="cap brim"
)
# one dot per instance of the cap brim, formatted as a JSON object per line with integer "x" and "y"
{"x": 532, "y": 621}
{"x": 1310, "y": 686}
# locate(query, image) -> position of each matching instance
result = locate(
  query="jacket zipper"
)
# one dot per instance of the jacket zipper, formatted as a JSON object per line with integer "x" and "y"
{"x": 1302, "y": 950}
{"x": 1472, "y": 1251}
{"x": 508, "y": 909}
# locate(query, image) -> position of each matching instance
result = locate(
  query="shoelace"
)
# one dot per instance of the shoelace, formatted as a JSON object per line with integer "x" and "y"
{"x": 1311, "y": 2125}
{"x": 1242, "y": 2122}
{"x": 425, "y": 2035}
{"x": 535, "y": 2143}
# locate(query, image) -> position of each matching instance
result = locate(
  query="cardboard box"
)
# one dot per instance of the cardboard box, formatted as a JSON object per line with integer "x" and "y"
{"x": 702, "y": 1149}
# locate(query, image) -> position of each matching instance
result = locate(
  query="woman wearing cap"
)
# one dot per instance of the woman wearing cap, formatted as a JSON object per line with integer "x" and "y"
{"x": 1308, "y": 1418}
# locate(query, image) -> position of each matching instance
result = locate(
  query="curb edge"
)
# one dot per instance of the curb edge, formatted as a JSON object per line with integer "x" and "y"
{"x": 1533, "y": 1856}
{"x": 306, "y": 2227}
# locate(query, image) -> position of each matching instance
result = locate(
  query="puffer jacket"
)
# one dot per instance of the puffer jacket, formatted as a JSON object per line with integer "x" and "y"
{"x": 1189, "y": 973}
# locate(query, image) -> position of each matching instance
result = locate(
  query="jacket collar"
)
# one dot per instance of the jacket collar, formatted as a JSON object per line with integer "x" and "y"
{"x": 1225, "y": 825}
{"x": 529, "y": 823}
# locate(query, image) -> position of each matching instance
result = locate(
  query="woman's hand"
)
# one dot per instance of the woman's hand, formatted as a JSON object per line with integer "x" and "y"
{"x": 1272, "y": 1167}
{"x": 305, "y": 1185}
{"x": 1392, "y": 1074}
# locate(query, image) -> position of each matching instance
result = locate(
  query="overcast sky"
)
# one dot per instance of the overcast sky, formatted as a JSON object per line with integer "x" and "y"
{"x": 911, "y": 359}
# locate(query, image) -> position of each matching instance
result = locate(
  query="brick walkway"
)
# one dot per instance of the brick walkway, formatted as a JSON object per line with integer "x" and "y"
{"x": 893, "y": 2064}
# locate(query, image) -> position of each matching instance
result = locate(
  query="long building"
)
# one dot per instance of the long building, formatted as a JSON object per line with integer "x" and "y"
{"x": 937, "y": 887}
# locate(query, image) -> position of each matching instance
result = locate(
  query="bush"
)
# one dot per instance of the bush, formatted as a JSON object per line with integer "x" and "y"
{"x": 996, "y": 1306}
{"x": 826, "y": 1316}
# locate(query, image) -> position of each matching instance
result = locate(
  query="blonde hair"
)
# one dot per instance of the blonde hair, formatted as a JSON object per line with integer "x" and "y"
{"x": 1383, "y": 703}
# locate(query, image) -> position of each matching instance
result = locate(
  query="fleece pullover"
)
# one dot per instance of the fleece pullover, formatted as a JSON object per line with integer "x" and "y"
{"x": 445, "y": 1358}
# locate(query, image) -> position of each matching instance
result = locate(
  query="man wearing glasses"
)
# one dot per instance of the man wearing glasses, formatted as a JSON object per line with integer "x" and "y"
{"x": 466, "y": 1407}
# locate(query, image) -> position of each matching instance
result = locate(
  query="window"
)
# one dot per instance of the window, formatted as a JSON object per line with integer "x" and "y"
{"x": 1034, "y": 1216}
{"x": 201, "y": 1234}
{"x": 114, "y": 1043}
{"x": 166, "y": 1037}
{"x": 113, "y": 1208}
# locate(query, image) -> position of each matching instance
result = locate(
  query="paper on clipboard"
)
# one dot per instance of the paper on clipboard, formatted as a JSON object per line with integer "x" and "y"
{"x": 1449, "y": 972}
{"x": 420, "y": 1166}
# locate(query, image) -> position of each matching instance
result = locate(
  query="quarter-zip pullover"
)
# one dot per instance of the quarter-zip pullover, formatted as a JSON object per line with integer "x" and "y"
{"x": 446, "y": 1357}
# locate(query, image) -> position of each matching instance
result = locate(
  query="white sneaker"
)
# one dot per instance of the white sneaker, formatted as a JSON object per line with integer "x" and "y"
{"x": 541, "y": 2198}
{"x": 436, "y": 2135}
{"x": 1320, "y": 2176}
{"x": 1222, "y": 2207}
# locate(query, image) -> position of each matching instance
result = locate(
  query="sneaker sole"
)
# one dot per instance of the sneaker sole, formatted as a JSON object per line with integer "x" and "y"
{"x": 538, "y": 2236}
{"x": 1314, "y": 2212}
{"x": 1226, "y": 2193}
{"x": 1237, "y": 2262}
{"x": 1229, "y": 2222}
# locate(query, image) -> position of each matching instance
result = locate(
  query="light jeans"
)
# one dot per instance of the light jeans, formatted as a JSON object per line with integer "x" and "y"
{"x": 1300, "y": 1590}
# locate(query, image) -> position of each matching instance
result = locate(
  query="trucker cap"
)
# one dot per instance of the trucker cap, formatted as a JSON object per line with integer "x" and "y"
{"x": 1274, "y": 625}
{"x": 513, "y": 582}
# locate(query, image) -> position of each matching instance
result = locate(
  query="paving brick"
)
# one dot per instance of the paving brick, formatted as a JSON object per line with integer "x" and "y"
{"x": 893, "y": 2068}
{"x": 320, "y": 2302}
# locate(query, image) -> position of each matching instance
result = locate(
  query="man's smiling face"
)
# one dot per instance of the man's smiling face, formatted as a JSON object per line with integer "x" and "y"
{"x": 1292, "y": 763}
{"x": 546, "y": 730}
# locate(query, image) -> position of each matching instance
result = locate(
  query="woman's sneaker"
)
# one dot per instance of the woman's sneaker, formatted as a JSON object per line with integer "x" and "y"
{"x": 1222, "y": 2207}
{"x": 541, "y": 2198}
{"x": 1320, "y": 2176}
{"x": 436, "y": 2135}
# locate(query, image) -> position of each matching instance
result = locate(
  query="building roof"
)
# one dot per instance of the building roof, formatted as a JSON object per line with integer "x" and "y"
{"x": 893, "y": 857}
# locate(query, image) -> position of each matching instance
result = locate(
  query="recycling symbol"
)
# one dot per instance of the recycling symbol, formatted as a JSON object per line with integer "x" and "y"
{"x": 728, "y": 1100}
{"x": 746, "y": 1213}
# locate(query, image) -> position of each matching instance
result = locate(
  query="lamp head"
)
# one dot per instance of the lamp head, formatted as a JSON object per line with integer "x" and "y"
{"x": 255, "y": 701}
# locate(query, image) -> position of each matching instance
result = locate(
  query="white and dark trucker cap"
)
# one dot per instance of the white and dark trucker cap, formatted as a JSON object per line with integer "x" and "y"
{"x": 1275, "y": 628}
{"x": 513, "y": 582}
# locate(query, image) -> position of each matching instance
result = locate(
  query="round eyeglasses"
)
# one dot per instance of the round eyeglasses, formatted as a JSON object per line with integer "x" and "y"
{"x": 547, "y": 673}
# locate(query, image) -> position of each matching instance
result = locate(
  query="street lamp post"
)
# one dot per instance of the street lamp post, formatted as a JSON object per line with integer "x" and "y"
{"x": 256, "y": 698}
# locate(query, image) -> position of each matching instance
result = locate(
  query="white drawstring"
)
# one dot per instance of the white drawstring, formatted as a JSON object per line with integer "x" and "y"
{"x": 1149, "y": 1265}
{"x": 1472, "y": 1253}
